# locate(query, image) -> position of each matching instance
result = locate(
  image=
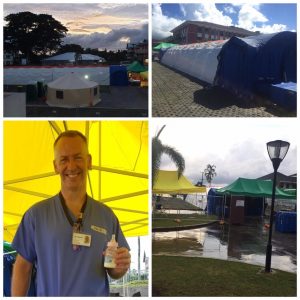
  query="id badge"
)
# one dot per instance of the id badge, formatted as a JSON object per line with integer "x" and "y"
{"x": 81, "y": 239}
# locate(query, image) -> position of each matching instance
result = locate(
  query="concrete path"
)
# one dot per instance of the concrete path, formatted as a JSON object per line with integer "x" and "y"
{"x": 177, "y": 95}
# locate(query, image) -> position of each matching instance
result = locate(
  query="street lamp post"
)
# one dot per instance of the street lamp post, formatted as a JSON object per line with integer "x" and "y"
{"x": 277, "y": 151}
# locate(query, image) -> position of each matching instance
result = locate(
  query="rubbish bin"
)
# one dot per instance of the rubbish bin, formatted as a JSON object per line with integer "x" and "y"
{"x": 40, "y": 89}
{"x": 31, "y": 92}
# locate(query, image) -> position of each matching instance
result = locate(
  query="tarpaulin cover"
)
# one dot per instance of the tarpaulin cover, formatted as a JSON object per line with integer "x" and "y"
{"x": 167, "y": 182}
{"x": 253, "y": 188}
{"x": 250, "y": 61}
{"x": 198, "y": 60}
{"x": 119, "y": 176}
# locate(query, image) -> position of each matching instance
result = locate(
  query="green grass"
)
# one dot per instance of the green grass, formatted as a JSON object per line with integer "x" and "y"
{"x": 168, "y": 220}
{"x": 133, "y": 283}
{"x": 190, "y": 276}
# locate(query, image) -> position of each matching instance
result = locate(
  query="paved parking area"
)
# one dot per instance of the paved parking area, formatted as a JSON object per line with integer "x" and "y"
{"x": 177, "y": 95}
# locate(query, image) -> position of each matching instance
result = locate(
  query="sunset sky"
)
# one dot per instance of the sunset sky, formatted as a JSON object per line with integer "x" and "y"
{"x": 95, "y": 25}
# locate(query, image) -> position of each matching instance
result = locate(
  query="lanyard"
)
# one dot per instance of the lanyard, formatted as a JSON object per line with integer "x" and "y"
{"x": 76, "y": 225}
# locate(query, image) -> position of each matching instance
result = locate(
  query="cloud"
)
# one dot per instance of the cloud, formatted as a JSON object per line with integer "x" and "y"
{"x": 161, "y": 24}
{"x": 229, "y": 10}
{"x": 95, "y": 25}
{"x": 236, "y": 151}
{"x": 249, "y": 17}
{"x": 114, "y": 40}
{"x": 207, "y": 12}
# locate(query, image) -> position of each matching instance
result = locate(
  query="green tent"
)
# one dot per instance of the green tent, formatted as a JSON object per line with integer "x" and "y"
{"x": 164, "y": 46}
{"x": 136, "y": 67}
{"x": 254, "y": 188}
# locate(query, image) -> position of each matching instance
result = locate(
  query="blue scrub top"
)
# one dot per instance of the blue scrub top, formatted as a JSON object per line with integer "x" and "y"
{"x": 44, "y": 238}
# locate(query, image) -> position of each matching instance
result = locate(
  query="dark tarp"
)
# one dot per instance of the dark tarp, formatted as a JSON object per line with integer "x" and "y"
{"x": 254, "y": 188}
{"x": 247, "y": 62}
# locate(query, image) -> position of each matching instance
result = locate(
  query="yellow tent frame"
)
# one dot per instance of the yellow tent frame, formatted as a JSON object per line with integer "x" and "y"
{"x": 119, "y": 175}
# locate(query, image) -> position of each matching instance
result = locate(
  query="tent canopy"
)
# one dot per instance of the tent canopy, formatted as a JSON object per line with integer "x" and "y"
{"x": 119, "y": 175}
{"x": 164, "y": 46}
{"x": 136, "y": 67}
{"x": 168, "y": 183}
{"x": 253, "y": 188}
{"x": 70, "y": 56}
{"x": 72, "y": 82}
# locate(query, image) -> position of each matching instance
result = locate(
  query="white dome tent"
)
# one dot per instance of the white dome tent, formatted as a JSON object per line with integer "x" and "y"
{"x": 199, "y": 60}
{"x": 72, "y": 91}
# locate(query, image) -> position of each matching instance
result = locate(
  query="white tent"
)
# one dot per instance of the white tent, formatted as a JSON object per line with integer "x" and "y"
{"x": 198, "y": 60}
{"x": 72, "y": 91}
{"x": 70, "y": 57}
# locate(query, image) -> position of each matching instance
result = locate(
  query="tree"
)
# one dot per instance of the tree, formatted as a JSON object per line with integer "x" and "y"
{"x": 31, "y": 34}
{"x": 210, "y": 173}
{"x": 158, "y": 149}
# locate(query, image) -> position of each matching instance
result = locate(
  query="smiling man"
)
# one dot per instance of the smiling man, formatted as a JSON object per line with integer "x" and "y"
{"x": 65, "y": 237}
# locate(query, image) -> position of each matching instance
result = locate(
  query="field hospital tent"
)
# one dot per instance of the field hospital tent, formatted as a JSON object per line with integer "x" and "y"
{"x": 243, "y": 197}
{"x": 198, "y": 60}
{"x": 167, "y": 182}
{"x": 247, "y": 62}
{"x": 253, "y": 188}
{"x": 72, "y": 91}
{"x": 119, "y": 175}
{"x": 70, "y": 57}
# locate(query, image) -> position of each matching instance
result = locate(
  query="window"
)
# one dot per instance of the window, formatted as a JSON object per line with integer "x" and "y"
{"x": 95, "y": 91}
{"x": 59, "y": 94}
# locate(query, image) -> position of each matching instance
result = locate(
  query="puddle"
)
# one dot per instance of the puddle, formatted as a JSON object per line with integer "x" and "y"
{"x": 246, "y": 243}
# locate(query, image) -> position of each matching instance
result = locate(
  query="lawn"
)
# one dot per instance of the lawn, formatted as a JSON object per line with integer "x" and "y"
{"x": 173, "y": 220}
{"x": 191, "y": 276}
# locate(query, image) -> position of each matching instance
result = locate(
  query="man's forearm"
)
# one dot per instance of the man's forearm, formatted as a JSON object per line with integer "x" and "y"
{"x": 21, "y": 277}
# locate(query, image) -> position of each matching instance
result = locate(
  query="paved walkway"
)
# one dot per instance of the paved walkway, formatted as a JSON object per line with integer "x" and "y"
{"x": 177, "y": 95}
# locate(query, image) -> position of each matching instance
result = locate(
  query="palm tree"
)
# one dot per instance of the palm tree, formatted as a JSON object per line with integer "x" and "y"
{"x": 210, "y": 173}
{"x": 158, "y": 149}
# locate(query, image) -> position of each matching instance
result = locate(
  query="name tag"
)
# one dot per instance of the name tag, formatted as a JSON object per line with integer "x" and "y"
{"x": 81, "y": 239}
{"x": 99, "y": 229}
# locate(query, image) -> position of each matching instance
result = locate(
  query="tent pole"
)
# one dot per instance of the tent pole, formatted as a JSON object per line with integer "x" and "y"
{"x": 100, "y": 164}
{"x": 65, "y": 125}
{"x": 87, "y": 135}
{"x": 55, "y": 127}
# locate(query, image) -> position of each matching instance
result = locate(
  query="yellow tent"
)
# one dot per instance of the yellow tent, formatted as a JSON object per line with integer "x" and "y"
{"x": 168, "y": 183}
{"x": 119, "y": 176}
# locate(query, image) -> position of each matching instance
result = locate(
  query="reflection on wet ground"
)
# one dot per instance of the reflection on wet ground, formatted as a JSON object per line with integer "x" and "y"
{"x": 246, "y": 243}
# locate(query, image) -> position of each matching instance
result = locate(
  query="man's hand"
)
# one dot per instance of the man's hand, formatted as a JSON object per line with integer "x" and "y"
{"x": 122, "y": 260}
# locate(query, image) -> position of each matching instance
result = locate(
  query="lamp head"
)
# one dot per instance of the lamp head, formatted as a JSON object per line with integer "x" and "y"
{"x": 277, "y": 151}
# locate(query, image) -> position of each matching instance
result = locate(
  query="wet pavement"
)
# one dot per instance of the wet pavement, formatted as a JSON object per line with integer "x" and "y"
{"x": 244, "y": 243}
{"x": 175, "y": 94}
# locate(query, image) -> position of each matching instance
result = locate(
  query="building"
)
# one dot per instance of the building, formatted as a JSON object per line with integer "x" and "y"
{"x": 137, "y": 51}
{"x": 197, "y": 31}
{"x": 283, "y": 181}
{"x": 8, "y": 58}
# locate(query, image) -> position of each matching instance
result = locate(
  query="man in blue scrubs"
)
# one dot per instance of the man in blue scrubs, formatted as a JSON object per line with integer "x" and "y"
{"x": 65, "y": 237}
